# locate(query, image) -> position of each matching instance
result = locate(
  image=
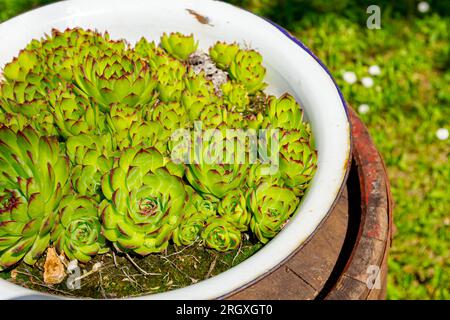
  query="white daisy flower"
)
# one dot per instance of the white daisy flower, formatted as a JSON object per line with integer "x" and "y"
{"x": 367, "y": 82}
{"x": 442, "y": 134}
{"x": 349, "y": 77}
{"x": 374, "y": 70}
{"x": 423, "y": 6}
{"x": 364, "y": 108}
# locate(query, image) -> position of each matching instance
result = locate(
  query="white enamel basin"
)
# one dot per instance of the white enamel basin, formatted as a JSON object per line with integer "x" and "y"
{"x": 291, "y": 67}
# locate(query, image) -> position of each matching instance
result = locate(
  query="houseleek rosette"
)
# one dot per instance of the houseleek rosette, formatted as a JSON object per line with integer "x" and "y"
{"x": 91, "y": 157}
{"x": 271, "y": 206}
{"x": 170, "y": 75}
{"x": 178, "y": 45}
{"x": 60, "y": 52}
{"x": 78, "y": 229}
{"x": 196, "y": 211}
{"x": 33, "y": 178}
{"x": 219, "y": 165}
{"x": 27, "y": 99}
{"x": 145, "y": 49}
{"x": 75, "y": 114}
{"x": 171, "y": 116}
{"x": 221, "y": 235}
{"x": 247, "y": 69}
{"x": 144, "y": 202}
{"x": 284, "y": 112}
{"x": 298, "y": 158}
{"x": 198, "y": 93}
{"x": 223, "y": 54}
{"x": 116, "y": 77}
{"x": 233, "y": 207}
{"x": 235, "y": 96}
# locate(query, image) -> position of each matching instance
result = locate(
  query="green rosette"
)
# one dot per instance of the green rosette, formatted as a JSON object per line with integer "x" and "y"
{"x": 33, "y": 179}
{"x": 91, "y": 157}
{"x": 285, "y": 112}
{"x": 221, "y": 235}
{"x": 233, "y": 207}
{"x": 75, "y": 114}
{"x": 144, "y": 202}
{"x": 247, "y": 69}
{"x": 116, "y": 77}
{"x": 298, "y": 158}
{"x": 223, "y": 54}
{"x": 219, "y": 165}
{"x": 271, "y": 206}
{"x": 170, "y": 73}
{"x": 78, "y": 229}
{"x": 178, "y": 45}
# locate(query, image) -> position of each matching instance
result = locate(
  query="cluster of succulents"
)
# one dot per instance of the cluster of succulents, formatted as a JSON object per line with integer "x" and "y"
{"x": 85, "y": 148}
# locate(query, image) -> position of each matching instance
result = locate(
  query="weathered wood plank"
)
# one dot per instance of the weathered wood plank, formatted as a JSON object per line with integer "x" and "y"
{"x": 315, "y": 262}
{"x": 283, "y": 284}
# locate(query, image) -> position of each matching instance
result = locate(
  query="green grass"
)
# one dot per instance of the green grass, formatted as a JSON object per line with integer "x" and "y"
{"x": 409, "y": 101}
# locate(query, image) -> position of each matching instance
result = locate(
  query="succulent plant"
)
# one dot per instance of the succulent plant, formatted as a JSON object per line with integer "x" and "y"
{"x": 74, "y": 114}
{"x": 247, "y": 69}
{"x": 233, "y": 207}
{"x": 235, "y": 96}
{"x": 260, "y": 172}
{"x": 145, "y": 49}
{"x": 223, "y": 54}
{"x": 60, "y": 52}
{"x": 170, "y": 80}
{"x": 87, "y": 152}
{"x": 221, "y": 235}
{"x": 15, "y": 122}
{"x": 198, "y": 93}
{"x": 298, "y": 158}
{"x": 22, "y": 68}
{"x": 178, "y": 45}
{"x": 144, "y": 202}
{"x": 189, "y": 230}
{"x": 171, "y": 116}
{"x": 212, "y": 116}
{"x": 91, "y": 157}
{"x": 206, "y": 206}
{"x": 271, "y": 207}
{"x": 284, "y": 112}
{"x": 196, "y": 211}
{"x": 33, "y": 178}
{"x": 217, "y": 168}
{"x": 28, "y": 100}
{"x": 116, "y": 78}
{"x": 78, "y": 229}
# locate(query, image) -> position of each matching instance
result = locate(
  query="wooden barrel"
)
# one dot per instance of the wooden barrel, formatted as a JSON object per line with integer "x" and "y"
{"x": 346, "y": 258}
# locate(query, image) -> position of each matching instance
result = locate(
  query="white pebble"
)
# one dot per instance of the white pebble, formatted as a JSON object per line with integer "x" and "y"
{"x": 374, "y": 70}
{"x": 442, "y": 134}
{"x": 367, "y": 82}
{"x": 349, "y": 77}
{"x": 423, "y": 6}
{"x": 73, "y": 265}
{"x": 364, "y": 108}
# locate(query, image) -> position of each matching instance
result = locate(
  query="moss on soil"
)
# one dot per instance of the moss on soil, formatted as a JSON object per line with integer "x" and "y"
{"x": 176, "y": 268}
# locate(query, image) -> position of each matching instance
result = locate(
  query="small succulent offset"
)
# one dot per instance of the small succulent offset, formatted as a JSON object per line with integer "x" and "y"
{"x": 86, "y": 148}
{"x": 78, "y": 230}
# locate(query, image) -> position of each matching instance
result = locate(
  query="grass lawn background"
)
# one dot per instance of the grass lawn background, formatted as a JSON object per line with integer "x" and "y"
{"x": 408, "y": 102}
